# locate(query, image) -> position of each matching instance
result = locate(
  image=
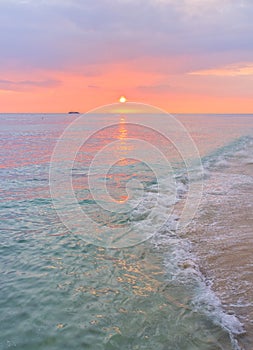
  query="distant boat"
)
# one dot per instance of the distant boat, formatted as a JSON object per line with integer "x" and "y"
{"x": 74, "y": 112}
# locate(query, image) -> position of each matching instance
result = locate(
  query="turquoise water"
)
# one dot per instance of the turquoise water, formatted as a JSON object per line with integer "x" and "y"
{"x": 60, "y": 291}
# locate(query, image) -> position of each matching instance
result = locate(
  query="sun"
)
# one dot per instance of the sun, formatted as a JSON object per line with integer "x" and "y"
{"x": 122, "y": 99}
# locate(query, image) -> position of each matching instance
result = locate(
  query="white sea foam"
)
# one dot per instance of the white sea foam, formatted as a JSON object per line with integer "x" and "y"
{"x": 154, "y": 214}
{"x": 180, "y": 263}
{"x": 182, "y": 266}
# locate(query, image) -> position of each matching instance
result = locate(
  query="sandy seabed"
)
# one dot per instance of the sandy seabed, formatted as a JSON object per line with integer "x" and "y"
{"x": 222, "y": 236}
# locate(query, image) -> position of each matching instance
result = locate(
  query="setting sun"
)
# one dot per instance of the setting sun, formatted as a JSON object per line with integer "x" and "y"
{"x": 122, "y": 99}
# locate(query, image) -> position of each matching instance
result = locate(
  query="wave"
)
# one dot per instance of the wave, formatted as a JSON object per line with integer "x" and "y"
{"x": 181, "y": 264}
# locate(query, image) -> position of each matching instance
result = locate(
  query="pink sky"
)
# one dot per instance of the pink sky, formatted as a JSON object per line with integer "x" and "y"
{"x": 187, "y": 56}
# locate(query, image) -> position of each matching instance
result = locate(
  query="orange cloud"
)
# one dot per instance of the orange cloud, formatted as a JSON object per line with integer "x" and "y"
{"x": 232, "y": 70}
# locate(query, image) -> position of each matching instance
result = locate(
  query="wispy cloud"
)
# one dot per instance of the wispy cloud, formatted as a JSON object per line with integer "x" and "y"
{"x": 93, "y": 87}
{"x": 232, "y": 70}
{"x": 154, "y": 88}
{"x": 9, "y": 85}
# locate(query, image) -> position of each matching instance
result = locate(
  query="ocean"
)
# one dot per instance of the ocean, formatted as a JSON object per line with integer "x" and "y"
{"x": 126, "y": 228}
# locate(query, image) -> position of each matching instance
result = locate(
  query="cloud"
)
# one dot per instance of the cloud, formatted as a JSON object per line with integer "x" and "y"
{"x": 155, "y": 88}
{"x": 64, "y": 34}
{"x": 9, "y": 85}
{"x": 93, "y": 87}
{"x": 232, "y": 70}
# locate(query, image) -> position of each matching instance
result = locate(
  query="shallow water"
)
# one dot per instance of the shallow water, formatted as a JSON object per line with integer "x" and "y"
{"x": 222, "y": 232}
{"x": 59, "y": 290}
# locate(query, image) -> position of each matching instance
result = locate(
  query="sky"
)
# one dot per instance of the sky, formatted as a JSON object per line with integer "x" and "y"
{"x": 185, "y": 56}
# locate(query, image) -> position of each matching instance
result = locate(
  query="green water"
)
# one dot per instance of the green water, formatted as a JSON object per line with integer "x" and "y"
{"x": 59, "y": 292}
